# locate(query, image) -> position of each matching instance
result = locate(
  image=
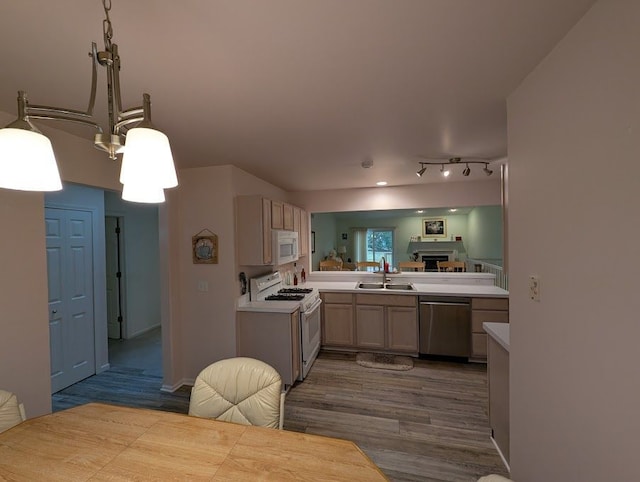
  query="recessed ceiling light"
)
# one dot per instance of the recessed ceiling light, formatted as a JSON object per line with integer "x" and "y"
{"x": 420, "y": 211}
{"x": 381, "y": 183}
{"x": 452, "y": 210}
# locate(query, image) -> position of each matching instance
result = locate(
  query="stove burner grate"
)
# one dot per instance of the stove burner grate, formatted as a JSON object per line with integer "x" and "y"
{"x": 295, "y": 290}
{"x": 285, "y": 297}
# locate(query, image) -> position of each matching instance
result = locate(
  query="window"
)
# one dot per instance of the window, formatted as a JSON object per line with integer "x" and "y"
{"x": 380, "y": 244}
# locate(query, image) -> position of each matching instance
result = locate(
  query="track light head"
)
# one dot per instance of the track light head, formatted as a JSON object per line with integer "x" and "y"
{"x": 445, "y": 172}
{"x": 486, "y": 170}
{"x": 421, "y": 171}
{"x": 466, "y": 171}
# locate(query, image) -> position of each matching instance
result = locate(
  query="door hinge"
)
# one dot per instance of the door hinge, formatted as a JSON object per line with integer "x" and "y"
{"x": 118, "y": 275}
{"x": 118, "y": 230}
{"x": 119, "y": 319}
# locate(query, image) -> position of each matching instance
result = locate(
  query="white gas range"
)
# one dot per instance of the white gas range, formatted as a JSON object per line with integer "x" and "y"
{"x": 270, "y": 291}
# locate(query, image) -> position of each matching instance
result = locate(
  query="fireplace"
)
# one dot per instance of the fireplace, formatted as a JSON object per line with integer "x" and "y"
{"x": 431, "y": 261}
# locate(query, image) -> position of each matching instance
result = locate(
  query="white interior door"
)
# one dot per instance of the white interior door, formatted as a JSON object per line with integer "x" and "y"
{"x": 114, "y": 277}
{"x": 70, "y": 277}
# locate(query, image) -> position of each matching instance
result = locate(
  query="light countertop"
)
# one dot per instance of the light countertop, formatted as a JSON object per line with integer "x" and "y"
{"x": 470, "y": 290}
{"x": 499, "y": 332}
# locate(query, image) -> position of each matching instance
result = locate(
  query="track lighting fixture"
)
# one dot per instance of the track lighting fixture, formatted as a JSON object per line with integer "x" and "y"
{"x": 446, "y": 164}
{"x": 28, "y": 162}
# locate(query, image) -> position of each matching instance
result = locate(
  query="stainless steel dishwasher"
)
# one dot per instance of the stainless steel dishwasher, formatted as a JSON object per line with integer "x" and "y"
{"x": 445, "y": 326}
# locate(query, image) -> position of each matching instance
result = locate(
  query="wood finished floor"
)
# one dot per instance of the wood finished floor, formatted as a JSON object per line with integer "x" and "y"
{"x": 426, "y": 424}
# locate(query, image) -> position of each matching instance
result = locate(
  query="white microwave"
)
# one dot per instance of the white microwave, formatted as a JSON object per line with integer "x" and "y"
{"x": 285, "y": 247}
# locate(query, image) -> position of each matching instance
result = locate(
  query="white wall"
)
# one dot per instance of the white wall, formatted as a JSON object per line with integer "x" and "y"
{"x": 199, "y": 326}
{"x": 574, "y": 151}
{"x": 141, "y": 262}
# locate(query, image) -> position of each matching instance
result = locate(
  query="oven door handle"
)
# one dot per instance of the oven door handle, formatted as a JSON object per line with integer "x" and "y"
{"x": 313, "y": 307}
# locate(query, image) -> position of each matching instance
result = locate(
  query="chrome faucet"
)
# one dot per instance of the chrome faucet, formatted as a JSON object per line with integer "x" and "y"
{"x": 383, "y": 262}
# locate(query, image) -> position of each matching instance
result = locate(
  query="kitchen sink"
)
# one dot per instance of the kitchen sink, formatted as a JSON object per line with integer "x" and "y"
{"x": 387, "y": 286}
{"x": 399, "y": 286}
{"x": 370, "y": 286}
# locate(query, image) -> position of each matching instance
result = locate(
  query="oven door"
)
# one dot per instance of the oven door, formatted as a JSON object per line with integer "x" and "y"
{"x": 310, "y": 336}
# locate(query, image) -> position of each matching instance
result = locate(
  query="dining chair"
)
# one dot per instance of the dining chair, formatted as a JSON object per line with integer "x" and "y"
{"x": 240, "y": 390}
{"x": 11, "y": 412}
{"x": 457, "y": 266}
{"x": 365, "y": 265}
{"x": 330, "y": 265}
{"x": 411, "y": 266}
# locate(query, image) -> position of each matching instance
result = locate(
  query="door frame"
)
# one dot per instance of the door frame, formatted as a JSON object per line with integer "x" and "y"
{"x": 123, "y": 268}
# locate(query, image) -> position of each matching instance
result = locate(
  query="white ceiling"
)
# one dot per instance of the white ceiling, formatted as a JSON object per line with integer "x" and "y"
{"x": 297, "y": 92}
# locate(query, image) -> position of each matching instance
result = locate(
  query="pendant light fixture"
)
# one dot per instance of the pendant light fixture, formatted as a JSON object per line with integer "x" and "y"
{"x": 27, "y": 161}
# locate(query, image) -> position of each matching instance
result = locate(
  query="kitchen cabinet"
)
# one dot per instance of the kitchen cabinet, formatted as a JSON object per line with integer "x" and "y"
{"x": 273, "y": 338}
{"x": 303, "y": 233}
{"x": 287, "y": 217}
{"x": 387, "y": 322}
{"x": 485, "y": 310}
{"x": 498, "y": 377}
{"x": 277, "y": 215}
{"x": 338, "y": 324}
{"x": 253, "y": 230}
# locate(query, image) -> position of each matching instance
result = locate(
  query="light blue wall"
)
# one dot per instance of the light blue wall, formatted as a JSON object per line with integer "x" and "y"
{"x": 485, "y": 234}
{"x": 325, "y": 228}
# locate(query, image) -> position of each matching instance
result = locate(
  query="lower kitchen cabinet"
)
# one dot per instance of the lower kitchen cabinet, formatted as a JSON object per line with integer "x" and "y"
{"x": 338, "y": 327}
{"x": 273, "y": 338}
{"x": 387, "y": 322}
{"x": 483, "y": 310}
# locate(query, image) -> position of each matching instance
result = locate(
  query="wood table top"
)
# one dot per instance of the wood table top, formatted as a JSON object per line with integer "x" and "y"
{"x": 106, "y": 442}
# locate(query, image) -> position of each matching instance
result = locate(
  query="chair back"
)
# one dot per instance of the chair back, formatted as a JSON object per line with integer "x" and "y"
{"x": 241, "y": 390}
{"x": 330, "y": 265}
{"x": 411, "y": 266}
{"x": 365, "y": 265}
{"x": 11, "y": 412}
{"x": 458, "y": 266}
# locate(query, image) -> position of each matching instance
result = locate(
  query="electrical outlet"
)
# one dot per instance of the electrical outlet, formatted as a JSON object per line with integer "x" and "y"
{"x": 534, "y": 288}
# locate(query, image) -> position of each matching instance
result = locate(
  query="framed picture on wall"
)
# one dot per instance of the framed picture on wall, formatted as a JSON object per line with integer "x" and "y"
{"x": 434, "y": 228}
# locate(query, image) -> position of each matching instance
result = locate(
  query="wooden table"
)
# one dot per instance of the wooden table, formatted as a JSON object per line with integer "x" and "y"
{"x": 106, "y": 442}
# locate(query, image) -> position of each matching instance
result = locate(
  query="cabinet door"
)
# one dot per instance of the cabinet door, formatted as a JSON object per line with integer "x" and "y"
{"x": 287, "y": 217}
{"x": 277, "y": 219}
{"x": 304, "y": 233}
{"x": 402, "y": 329}
{"x": 370, "y": 326}
{"x": 337, "y": 325}
{"x": 267, "y": 252}
{"x": 295, "y": 344}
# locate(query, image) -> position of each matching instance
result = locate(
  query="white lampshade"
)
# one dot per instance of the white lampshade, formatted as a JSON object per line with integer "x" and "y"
{"x": 27, "y": 162}
{"x": 147, "y": 159}
{"x": 141, "y": 193}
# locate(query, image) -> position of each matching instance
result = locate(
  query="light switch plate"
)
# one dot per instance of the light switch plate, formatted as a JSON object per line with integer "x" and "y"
{"x": 203, "y": 286}
{"x": 534, "y": 288}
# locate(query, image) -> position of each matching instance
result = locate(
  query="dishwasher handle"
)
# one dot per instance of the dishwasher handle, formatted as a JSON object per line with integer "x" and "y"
{"x": 444, "y": 303}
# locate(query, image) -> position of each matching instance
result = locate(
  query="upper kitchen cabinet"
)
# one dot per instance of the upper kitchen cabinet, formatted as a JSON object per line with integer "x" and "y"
{"x": 253, "y": 230}
{"x": 301, "y": 226}
{"x": 277, "y": 215}
{"x": 287, "y": 217}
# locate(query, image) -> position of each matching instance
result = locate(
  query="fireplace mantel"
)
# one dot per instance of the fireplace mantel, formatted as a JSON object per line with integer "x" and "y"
{"x": 440, "y": 246}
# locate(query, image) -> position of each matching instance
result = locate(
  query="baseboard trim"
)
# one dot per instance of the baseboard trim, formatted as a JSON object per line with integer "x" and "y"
{"x": 174, "y": 387}
{"x": 504, "y": 461}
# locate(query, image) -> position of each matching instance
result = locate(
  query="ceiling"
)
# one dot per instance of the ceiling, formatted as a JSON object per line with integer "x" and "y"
{"x": 296, "y": 92}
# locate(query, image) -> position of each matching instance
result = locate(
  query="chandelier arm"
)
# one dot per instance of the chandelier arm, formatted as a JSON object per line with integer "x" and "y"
{"x": 60, "y": 116}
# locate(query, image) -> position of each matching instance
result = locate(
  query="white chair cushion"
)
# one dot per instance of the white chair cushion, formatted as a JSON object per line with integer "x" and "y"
{"x": 10, "y": 414}
{"x": 240, "y": 390}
